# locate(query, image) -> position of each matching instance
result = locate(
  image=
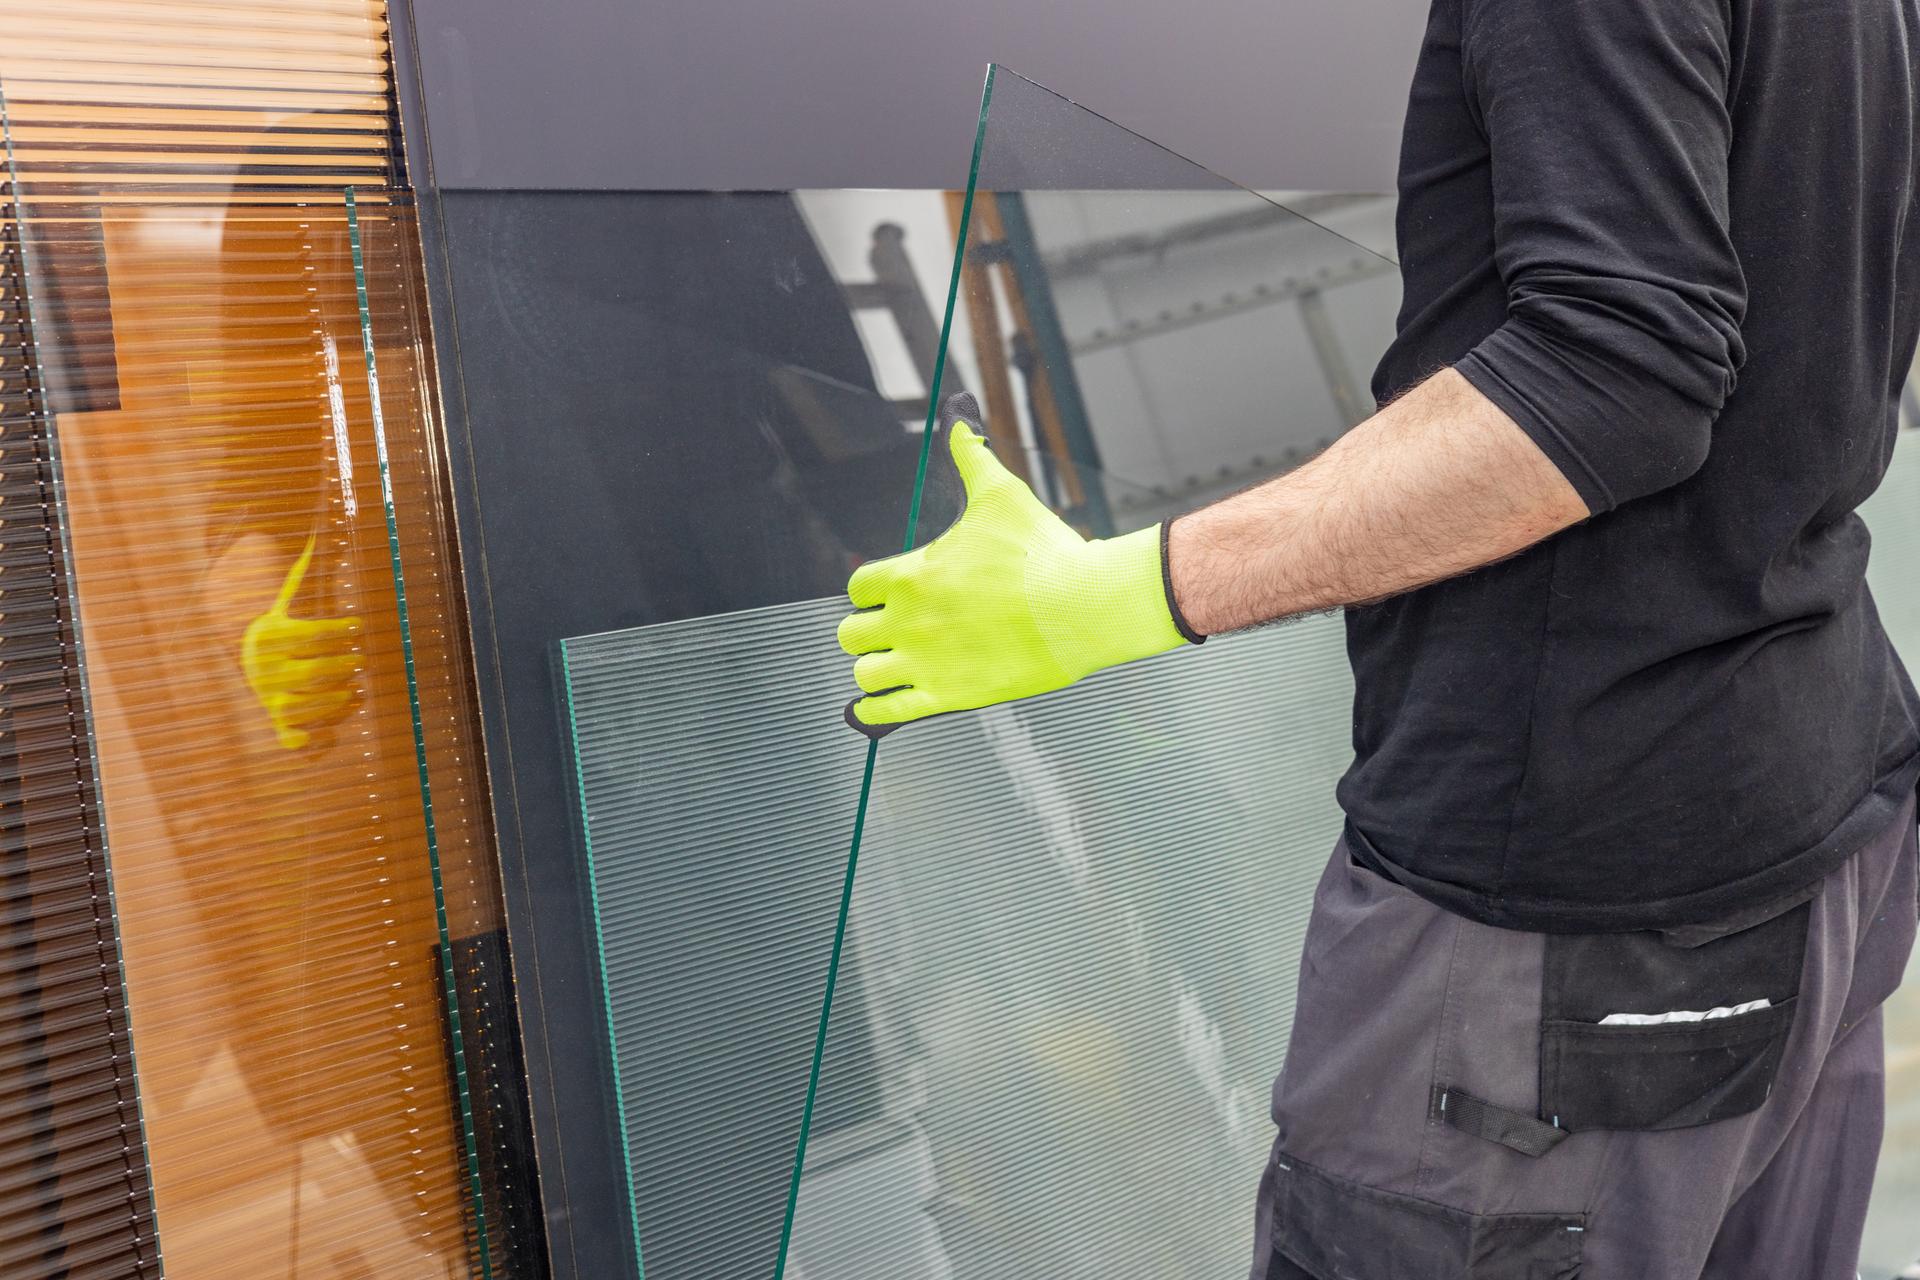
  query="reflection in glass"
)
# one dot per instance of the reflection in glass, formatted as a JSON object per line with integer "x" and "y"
{"x": 202, "y": 362}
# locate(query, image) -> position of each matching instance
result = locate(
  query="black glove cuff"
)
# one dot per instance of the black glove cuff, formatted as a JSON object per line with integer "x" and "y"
{"x": 1166, "y": 582}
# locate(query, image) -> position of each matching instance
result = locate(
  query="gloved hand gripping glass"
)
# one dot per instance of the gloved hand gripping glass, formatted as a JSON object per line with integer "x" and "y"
{"x": 301, "y": 669}
{"x": 1009, "y": 602}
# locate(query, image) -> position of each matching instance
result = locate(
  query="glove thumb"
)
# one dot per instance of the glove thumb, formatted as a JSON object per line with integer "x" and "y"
{"x": 290, "y": 587}
{"x": 960, "y": 422}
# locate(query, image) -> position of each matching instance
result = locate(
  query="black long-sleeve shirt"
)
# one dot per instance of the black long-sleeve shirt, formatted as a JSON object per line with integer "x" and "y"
{"x": 1669, "y": 239}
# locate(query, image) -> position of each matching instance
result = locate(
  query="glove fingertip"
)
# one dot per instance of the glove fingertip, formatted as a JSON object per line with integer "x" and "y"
{"x": 862, "y": 588}
{"x": 873, "y": 731}
{"x": 957, "y": 410}
{"x": 862, "y": 632}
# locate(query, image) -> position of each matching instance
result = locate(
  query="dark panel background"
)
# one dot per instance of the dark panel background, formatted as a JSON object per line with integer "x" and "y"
{"x": 755, "y": 94}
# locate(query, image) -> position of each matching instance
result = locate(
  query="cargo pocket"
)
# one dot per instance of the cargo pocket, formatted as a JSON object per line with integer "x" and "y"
{"x": 1335, "y": 1229}
{"x": 1664, "y": 1030}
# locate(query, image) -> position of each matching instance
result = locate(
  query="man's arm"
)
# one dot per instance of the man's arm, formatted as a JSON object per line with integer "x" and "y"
{"x": 1611, "y": 134}
{"x": 1011, "y": 602}
{"x": 1439, "y": 482}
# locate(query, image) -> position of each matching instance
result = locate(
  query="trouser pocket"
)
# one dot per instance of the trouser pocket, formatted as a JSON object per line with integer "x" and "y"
{"x": 1663, "y": 1030}
{"x": 1333, "y": 1228}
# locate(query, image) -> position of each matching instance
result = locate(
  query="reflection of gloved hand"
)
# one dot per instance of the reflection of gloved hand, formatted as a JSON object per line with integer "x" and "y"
{"x": 301, "y": 669}
{"x": 1007, "y": 603}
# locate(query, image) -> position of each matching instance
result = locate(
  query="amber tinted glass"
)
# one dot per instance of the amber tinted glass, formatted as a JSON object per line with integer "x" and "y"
{"x": 74, "y": 1192}
{"x": 285, "y": 772}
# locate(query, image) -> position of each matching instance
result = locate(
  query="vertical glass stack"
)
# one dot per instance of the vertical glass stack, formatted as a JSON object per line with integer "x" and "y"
{"x": 252, "y": 636}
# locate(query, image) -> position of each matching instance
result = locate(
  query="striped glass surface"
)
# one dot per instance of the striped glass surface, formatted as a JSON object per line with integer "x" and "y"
{"x": 1078, "y": 915}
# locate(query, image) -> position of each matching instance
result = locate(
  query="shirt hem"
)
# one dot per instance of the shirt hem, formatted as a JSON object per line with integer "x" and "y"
{"x": 1875, "y": 812}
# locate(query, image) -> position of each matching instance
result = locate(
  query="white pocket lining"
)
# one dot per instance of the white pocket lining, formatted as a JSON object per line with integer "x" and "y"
{"x": 1682, "y": 1015}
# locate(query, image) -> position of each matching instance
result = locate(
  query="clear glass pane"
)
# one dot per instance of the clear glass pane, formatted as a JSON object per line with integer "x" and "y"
{"x": 365, "y": 238}
{"x": 1019, "y": 955}
{"x": 1079, "y": 917}
{"x": 1132, "y": 314}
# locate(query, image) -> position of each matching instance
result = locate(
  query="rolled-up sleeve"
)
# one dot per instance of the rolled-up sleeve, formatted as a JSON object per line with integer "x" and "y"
{"x": 1609, "y": 132}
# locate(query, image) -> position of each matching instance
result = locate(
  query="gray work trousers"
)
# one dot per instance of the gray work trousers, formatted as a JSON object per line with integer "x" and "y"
{"x": 1454, "y": 1105}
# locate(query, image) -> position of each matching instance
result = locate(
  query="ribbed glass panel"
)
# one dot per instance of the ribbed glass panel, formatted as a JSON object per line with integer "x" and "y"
{"x": 1077, "y": 915}
{"x": 716, "y": 809}
{"x": 1087, "y": 907}
{"x": 265, "y": 642}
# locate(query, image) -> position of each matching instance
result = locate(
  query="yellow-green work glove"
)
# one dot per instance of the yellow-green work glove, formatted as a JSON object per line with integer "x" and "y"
{"x": 1007, "y": 603}
{"x": 301, "y": 669}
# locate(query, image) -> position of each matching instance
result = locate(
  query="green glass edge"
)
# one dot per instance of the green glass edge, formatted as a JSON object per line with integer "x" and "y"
{"x": 873, "y": 744}
{"x": 419, "y": 743}
{"x": 600, "y": 954}
{"x": 79, "y": 659}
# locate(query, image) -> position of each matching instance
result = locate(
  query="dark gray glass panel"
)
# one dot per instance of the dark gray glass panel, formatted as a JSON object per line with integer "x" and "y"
{"x": 667, "y": 405}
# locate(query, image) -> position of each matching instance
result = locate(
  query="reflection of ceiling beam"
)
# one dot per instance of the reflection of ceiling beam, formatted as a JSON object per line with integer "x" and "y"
{"x": 1260, "y": 295}
{"x": 1087, "y": 258}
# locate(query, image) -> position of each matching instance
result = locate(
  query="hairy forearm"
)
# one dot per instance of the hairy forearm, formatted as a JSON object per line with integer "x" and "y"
{"x": 1439, "y": 482}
